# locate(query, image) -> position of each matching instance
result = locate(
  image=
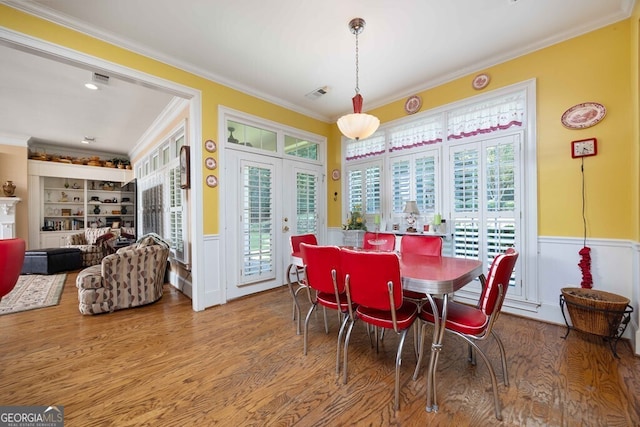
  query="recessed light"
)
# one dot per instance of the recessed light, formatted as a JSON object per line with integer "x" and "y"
{"x": 91, "y": 86}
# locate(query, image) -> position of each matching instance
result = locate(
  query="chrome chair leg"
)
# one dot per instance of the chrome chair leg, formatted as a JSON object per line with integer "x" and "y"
{"x": 346, "y": 348}
{"x": 492, "y": 374}
{"x": 403, "y": 335}
{"x": 343, "y": 325}
{"x": 294, "y": 296}
{"x": 503, "y": 357}
{"x": 306, "y": 327}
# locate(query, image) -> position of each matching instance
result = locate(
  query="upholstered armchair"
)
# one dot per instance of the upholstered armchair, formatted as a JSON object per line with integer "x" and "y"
{"x": 93, "y": 244}
{"x": 131, "y": 277}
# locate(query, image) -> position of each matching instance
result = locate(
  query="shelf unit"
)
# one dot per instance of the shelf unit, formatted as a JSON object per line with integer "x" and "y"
{"x": 66, "y": 196}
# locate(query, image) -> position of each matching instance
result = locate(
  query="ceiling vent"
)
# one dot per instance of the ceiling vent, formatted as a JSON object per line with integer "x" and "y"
{"x": 313, "y": 95}
{"x": 100, "y": 78}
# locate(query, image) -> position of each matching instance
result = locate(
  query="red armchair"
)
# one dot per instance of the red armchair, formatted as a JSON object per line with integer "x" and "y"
{"x": 11, "y": 260}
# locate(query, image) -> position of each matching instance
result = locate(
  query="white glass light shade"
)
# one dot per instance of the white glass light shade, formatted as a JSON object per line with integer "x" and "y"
{"x": 358, "y": 125}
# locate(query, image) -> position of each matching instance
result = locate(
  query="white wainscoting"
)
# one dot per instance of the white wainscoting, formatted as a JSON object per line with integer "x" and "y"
{"x": 214, "y": 294}
{"x": 615, "y": 265}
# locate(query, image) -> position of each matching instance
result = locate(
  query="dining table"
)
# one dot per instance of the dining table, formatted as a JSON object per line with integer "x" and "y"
{"x": 436, "y": 276}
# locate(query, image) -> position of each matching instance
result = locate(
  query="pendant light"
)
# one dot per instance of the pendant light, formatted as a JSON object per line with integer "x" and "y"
{"x": 357, "y": 125}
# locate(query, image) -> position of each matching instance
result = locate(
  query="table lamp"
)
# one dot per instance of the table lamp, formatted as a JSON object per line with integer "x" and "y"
{"x": 411, "y": 209}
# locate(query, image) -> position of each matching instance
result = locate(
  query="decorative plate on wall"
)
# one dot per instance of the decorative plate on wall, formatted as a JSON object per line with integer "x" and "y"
{"x": 210, "y": 145}
{"x": 413, "y": 104}
{"x": 480, "y": 81}
{"x": 210, "y": 163}
{"x": 583, "y": 115}
{"x": 212, "y": 181}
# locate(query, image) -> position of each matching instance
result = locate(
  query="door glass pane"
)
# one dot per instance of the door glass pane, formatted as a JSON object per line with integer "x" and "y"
{"x": 306, "y": 203}
{"x": 500, "y": 199}
{"x": 258, "y": 224}
{"x": 401, "y": 182}
{"x": 251, "y": 136}
{"x": 426, "y": 185}
{"x": 465, "y": 171}
{"x": 466, "y": 216}
{"x": 300, "y": 148}
{"x": 355, "y": 185}
{"x": 373, "y": 190}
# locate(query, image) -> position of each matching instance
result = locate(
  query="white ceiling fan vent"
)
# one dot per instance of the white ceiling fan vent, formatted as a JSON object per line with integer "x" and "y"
{"x": 315, "y": 94}
{"x": 100, "y": 78}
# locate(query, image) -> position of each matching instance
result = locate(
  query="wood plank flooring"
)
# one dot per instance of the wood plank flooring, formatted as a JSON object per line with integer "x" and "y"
{"x": 241, "y": 364}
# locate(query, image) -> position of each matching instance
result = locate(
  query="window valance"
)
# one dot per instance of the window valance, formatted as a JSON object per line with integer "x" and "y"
{"x": 490, "y": 116}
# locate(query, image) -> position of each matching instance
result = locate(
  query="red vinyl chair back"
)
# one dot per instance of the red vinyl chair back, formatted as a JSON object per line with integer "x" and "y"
{"x": 497, "y": 282}
{"x": 421, "y": 245}
{"x": 387, "y": 241}
{"x": 320, "y": 262}
{"x": 11, "y": 260}
{"x": 369, "y": 274}
{"x": 302, "y": 238}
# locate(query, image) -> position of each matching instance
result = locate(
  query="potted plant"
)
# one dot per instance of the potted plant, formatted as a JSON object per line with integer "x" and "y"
{"x": 354, "y": 228}
{"x": 590, "y": 310}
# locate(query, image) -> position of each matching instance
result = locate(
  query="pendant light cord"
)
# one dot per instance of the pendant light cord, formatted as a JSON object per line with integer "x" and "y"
{"x": 357, "y": 66}
{"x": 584, "y": 217}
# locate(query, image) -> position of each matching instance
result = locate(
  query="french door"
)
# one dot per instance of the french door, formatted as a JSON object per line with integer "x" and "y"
{"x": 485, "y": 200}
{"x": 269, "y": 200}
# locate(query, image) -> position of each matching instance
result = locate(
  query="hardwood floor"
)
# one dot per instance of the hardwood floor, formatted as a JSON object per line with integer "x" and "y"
{"x": 241, "y": 364}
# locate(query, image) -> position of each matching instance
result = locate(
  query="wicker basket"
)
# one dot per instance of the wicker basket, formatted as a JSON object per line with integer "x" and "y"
{"x": 593, "y": 311}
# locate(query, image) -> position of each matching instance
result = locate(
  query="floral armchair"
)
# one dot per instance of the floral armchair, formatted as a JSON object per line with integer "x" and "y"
{"x": 93, "y": 242}
{"x": 133, "y": 276}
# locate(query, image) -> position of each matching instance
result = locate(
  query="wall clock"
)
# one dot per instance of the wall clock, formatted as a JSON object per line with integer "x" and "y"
{"x": 584, "y": 148}
{"x": 184, "y": 167}
{"x": 335, "y": 174}
{"x": 210, "y": 145}
{"x": 413, "y": 104}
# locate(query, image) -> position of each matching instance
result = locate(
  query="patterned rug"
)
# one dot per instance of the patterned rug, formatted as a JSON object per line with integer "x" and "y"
{"x": 33, "y": 291}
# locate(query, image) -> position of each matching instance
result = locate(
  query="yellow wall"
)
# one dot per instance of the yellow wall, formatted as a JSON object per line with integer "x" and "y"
{"x": 593, "y": 67}
{"x": 634, "y": 86}
{"x": 13, "y": 167}
{"x": 600, "y": 66}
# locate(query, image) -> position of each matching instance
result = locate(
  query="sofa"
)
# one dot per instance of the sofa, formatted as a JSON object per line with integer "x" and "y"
{"x": 95, "y": 242}
{"x": 131, "y": 277}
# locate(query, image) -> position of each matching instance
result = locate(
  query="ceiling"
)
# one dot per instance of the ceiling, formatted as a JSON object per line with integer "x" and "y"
{"x": 278, "y": 51}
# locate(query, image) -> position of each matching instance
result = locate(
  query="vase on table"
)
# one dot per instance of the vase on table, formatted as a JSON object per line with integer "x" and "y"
{"x": 353, "y": 238}
{"x": 9, "y": 188}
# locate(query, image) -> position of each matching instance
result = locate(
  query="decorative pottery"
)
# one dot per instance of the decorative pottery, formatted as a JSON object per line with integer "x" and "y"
{"x": 9, "y": 188}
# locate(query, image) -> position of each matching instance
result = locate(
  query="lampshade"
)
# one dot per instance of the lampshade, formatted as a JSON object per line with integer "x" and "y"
{"x": 357, "y": 125}
{"x": 411, "y": 208}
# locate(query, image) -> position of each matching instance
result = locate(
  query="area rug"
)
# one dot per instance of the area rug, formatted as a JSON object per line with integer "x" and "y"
{"x": 33, "y": 291}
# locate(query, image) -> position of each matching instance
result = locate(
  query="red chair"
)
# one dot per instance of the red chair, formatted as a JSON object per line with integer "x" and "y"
{"x": 11, "y": 260}
{"x": 326, "y": 281}
{"x": 384, "y": 242}
{"x": 372, "y": 282}
{"x": 421, "y": 245}
{"x": 476, "y": 323}
{"x": 296, "y": 268}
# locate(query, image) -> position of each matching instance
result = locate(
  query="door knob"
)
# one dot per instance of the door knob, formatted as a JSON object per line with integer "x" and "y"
{"x": 285, "y": 228}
